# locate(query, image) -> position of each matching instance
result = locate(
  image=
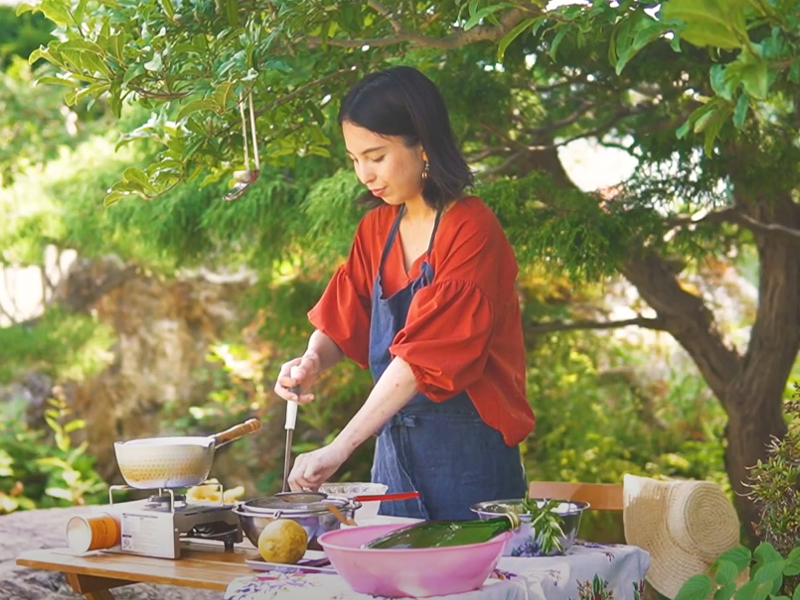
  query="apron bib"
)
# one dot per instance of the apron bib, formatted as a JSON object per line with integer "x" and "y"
{"x": 443, "y": 450}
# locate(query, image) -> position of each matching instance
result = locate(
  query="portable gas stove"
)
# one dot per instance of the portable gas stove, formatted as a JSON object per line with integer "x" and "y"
{"x": 155, "y": 526}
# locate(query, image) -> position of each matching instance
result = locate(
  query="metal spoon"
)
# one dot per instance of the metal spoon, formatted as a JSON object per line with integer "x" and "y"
{"x": 291, "y": 419}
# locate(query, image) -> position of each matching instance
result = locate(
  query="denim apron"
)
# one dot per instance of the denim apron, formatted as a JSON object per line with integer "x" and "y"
{"x": 443, "y": 450}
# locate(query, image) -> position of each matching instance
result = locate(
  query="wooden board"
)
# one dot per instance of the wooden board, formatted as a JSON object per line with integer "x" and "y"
{"x": 201, "y": 566}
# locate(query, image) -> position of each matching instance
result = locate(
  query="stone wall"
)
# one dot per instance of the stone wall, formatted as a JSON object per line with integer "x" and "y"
{"x": 39, "y": 529}
{"x": 165, "y": 328}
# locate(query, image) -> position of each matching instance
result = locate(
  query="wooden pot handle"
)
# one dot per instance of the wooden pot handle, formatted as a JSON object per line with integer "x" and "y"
{"x": 235, "y": 432}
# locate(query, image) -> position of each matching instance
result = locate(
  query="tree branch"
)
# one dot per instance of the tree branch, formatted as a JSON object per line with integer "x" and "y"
{"x": 594, "y": 132}
{"x": 584, "y": 107}
{"x": 768, "y": 227}
{"x": 491, "y": 172}
{"x": 687, "y": 318}
{"x": 718, "y": 216}
{"x": 486, "y": 153}
{"x": 656, "y": 323}
{"x": 385, "y": 13}
{"x": 735, "y": 214}
{"x": 538, "y": 89}
{"x": 618, "y": 146}
{"x": 449, "y": 42}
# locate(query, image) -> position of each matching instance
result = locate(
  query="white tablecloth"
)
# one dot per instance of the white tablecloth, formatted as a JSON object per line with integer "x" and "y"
{"x": 586, "y": 572}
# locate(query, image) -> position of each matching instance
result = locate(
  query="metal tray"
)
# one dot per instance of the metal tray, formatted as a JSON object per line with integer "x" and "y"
{"x": 314, "y": 561}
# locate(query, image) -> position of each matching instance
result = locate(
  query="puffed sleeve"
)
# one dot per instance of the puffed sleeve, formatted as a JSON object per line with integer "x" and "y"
{"x": 343, "y": 311}
{"x": 451, "y": 322}
{"x": 446, "y": 337}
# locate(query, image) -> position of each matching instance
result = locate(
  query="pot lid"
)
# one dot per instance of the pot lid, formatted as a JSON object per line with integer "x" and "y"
{"x": 293, "y": 503}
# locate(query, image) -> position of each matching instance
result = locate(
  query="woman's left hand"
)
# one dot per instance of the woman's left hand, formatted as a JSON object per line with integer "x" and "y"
{"x": 312, "y": 469}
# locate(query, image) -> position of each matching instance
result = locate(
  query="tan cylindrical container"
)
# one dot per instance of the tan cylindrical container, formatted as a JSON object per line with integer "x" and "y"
{"x": 94, "y": 532}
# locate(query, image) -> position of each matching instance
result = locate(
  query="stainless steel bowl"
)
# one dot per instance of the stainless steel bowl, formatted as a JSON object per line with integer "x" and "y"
{"x": 310, "y": 511}
{"x": 525, "y": 541}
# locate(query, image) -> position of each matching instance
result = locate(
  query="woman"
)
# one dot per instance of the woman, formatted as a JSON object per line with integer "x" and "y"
{"x": 426, "y": 300}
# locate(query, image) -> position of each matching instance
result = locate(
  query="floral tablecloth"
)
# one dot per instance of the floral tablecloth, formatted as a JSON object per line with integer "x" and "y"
{"x": 586, "y": 572}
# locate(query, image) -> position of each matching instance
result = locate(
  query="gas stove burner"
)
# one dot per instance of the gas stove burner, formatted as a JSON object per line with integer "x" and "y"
{"x": 212, "y": 531}
{"x": 228, "y": 533}
{"x": 158, "y": 501}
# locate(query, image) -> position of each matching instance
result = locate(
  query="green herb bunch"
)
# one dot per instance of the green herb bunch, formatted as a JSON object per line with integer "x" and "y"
{"x": 546, "y": 523}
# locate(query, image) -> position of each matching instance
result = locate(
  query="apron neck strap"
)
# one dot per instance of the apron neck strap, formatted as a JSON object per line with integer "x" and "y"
{"x": 396, "y": 225}
{"x": 392, "y": 232}
{"x": 433, "y": 232}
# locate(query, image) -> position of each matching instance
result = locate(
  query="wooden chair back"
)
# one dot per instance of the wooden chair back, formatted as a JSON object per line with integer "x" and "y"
{"x": 601, "y": 496}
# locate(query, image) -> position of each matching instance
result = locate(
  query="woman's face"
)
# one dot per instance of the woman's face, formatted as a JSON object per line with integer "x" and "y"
{"x": 390, "y": 169}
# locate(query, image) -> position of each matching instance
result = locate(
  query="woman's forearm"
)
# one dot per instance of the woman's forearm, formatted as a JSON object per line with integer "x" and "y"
{"x": 391, "y": 393}
{"x": 325, "y": 350}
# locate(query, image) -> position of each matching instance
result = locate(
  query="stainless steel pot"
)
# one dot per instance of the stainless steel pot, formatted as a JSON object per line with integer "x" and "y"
{"x": 308, "y": 509}
{"x": 170, "y": 462}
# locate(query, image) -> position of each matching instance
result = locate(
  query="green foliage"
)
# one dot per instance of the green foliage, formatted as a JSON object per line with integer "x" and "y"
{"x": 332, "y": 214}
{"x": 22, "y": 34}
{"x": 575, "y": 235}
{"x": 62, "y": 204}
{"x": 34, "y": 121}
{"x": 38, "y": 470}
{"x": 754, "y": 42}
{"x": 64, "y": 345}
{"x": 767, "y": 569}
{"x": 775, "y": 485}
{"x": 661, "y": 426}
{"x": 145, "y": 54}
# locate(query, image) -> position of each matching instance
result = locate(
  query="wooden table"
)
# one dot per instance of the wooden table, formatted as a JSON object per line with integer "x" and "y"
{"x": 203, "y": 566}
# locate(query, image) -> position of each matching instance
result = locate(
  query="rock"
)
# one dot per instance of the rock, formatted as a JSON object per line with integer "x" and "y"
{"x": 38, "y": 529}
{"x": 164, "y": 329}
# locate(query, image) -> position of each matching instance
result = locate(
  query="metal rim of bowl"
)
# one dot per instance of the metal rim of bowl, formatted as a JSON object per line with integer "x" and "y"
{"x": 246, "y": 510}
{"x": 579, "y": 506}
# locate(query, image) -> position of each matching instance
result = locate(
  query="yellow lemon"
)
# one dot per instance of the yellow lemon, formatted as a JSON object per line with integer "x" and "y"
{"x": 282, "y": 541}
{"x": 232, "y": 495}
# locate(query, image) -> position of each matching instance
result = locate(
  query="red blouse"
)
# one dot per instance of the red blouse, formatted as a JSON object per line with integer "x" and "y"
{"x": 463, "y": 331}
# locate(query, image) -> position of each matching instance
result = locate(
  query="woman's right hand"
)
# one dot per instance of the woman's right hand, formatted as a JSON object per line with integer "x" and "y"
{"x": 303, "y": 372}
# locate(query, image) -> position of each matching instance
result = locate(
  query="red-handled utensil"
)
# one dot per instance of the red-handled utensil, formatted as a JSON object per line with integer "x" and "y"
{"x": 392, "y": 496}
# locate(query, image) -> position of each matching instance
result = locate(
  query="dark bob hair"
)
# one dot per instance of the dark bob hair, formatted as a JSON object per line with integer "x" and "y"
{"x": 403, "y": 102}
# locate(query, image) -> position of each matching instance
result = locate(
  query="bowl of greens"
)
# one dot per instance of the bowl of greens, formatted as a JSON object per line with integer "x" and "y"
{"x": 549, "y": 526}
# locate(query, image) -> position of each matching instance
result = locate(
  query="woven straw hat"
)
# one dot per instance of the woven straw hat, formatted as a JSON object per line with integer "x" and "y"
{"x": 684, "y": 525}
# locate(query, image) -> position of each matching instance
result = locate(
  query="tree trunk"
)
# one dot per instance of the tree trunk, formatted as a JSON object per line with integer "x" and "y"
{"x": 754, "y": 398}
{"x": 752, "y": 420}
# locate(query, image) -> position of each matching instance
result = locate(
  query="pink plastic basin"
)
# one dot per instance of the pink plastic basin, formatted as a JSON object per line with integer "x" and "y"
{"x": 415, "y": 572}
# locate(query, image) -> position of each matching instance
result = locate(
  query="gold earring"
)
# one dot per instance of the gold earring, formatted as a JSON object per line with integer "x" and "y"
{"x": 425, "y": 171}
